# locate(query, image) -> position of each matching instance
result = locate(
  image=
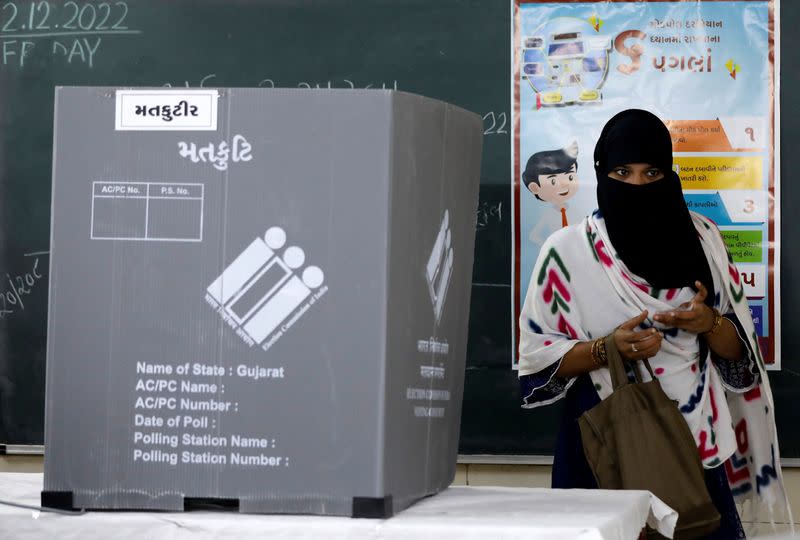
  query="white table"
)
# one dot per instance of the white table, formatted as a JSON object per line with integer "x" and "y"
{"x": 459, "y": 512}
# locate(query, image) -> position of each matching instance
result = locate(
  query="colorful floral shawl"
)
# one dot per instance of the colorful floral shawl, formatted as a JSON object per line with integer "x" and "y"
{"x": 580, "y": 290}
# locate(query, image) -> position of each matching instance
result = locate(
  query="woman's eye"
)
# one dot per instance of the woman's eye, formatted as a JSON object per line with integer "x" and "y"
{"x": 654, "y": 172}
{"x": 621, "y": 172}
{"x": 571, "y": 178}
{"x": 553, "y": 181}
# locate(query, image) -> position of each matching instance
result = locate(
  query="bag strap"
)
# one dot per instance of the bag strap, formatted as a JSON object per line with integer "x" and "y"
{"x": 646, "y": 363}
{"x": 616, "y": 366}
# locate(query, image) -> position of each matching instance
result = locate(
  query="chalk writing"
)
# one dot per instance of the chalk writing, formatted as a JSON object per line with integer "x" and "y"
{"x": 68, "y": 32}
{"x": 274, "y": 83}
{"x": 16, "y": 288}
{"x": 187, "y": 84}
{"x": 345, "y": 83}
{"x": 488, "y": 214}
{"x": 45, "y": 16}
{"x": 495, "y": 123}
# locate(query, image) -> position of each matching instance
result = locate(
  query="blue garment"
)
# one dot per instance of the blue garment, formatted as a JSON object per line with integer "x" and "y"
{"x": 571, "y": 470}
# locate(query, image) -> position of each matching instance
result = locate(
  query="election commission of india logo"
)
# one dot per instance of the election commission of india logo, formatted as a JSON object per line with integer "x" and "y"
{"x": 266, "y": 289}
{"x": 439, "y": 269}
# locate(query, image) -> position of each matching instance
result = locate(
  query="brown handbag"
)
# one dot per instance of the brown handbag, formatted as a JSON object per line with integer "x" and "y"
{"x": 638, "y": 439}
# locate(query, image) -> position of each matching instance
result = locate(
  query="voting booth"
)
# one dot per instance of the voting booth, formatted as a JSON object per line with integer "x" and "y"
{"x": 258, "y": 298}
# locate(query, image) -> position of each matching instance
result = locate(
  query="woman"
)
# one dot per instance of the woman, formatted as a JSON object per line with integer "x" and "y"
{"x": 658, "y": 277}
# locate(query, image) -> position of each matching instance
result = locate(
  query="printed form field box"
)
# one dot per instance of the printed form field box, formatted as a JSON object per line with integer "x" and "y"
{"x": 154, "y": 211}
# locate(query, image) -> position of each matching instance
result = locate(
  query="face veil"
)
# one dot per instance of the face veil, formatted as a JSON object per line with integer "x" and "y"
{"x": 649, "y": 225}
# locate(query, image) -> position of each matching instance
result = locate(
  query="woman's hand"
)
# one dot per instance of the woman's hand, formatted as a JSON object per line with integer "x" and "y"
{"x": 693, "y": 316}
{"x": 637, "y": 344}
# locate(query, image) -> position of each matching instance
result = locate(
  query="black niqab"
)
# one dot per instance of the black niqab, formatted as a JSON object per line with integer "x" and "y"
{"x": 649, "y": 225}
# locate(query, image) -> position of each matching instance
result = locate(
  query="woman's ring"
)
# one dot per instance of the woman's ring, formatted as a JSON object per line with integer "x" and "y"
{"x": 633, "y": 346}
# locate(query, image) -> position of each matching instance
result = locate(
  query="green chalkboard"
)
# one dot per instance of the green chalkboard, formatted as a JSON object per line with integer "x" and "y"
{"x": 454, "y": 50}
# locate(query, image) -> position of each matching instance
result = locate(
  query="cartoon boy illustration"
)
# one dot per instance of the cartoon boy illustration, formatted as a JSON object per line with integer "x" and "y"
{"x": 552, "y": 177}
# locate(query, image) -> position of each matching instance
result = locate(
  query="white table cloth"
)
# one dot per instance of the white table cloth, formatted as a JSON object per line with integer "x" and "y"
{"x": 459, "y": 512}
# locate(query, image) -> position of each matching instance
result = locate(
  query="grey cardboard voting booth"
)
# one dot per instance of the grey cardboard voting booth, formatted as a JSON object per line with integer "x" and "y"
{"x": 257, "y": 297}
